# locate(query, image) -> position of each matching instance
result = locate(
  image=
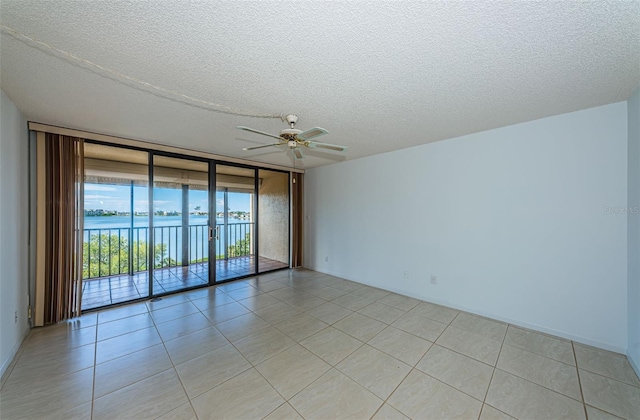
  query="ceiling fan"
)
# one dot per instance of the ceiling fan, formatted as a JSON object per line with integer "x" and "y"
{"x": 295, "y": 139}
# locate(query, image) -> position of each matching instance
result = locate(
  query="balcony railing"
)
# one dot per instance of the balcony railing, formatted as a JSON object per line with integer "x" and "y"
{"x": 113, "y": 251}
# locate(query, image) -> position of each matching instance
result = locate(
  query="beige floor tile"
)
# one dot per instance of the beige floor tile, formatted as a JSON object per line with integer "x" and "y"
{"x": 111, "y": 314}
{"x": 347, "y": 285}
{"x": 242, "y": 326}
{"x": 195, "y": 344}
{"x": 374, "y": 370}
{"x": 301, "y": 326}
{"x": 305, "y": 302}
{"x": 125, "y": 325}
{"x": 420, "y": 396}
{"x": 201, "y": 293}
{"x": 403, "y": 346}
{"x": 470, "y": 344}
{"x": 150, "y": 398}
{"x": 403, "y": 303}
{"x": 166, "y": 301}
{"x": 213, "y": 301}
{"x": 331, "y": 345}
{"x": 610, "y": 395}
{"x": 60, "y": 337}
{"x": 21, "y": 398}
{"x": 334, "y": 396}
{"x": 287, "y": 293}
{"x": 263, "y": 345}
{"x": 386, "y": 412}
{"x": 81, "y": 412}
{"x": 352, "y": 302}
{"x": 461, "y": 372}
{"x": 53, "y": 363}
{"x": 292, "y": 370}
{"x": 328, "y": 293}
{"x": 359, "y": 326}
{"x": 182, "y": 326}
{"x": 225, "y": 312}
{"x": 542, "y": 344}
{"x": 125, "y": 344}
{"x": 184, "y": 412}
{"x": 269, "y": 285}
{"x": 284, "y": 412}
{"x": 258, "y": 302}
{"x": 173, "y": 312}
{"x": 435, "y": 312}
{"x": 329, "y": 312}
{"x": 422, "y": 327}
{"x": 211, "y": 369}
{"x": 244, "y": 293}
{"x": 123, "y": 371}
{"x": 483, "y": 326}
{"x": 382, "y": 312}
{"x": 541, "y": 370}
{"x": 370, "y": 293}
{"x": 490, "y": 413}
{"x": 612, "y": 365}
{"x": 595, "y": 414}
{"x": 246, "y": 396}
{"x": 525, "y": 400}
{"x": 277, "y": 313}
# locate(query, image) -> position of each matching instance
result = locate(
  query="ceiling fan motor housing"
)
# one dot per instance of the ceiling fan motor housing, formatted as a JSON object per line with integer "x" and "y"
{"x": 292, "y": 119}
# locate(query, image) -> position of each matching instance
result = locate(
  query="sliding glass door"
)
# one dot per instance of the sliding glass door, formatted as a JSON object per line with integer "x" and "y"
{"x": 116, "y": 226}
{"x": 235, "y": 222}
{"x": 180, "y": 224}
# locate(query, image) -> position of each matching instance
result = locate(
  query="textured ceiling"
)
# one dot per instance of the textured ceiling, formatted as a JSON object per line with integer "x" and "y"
{"x": 378, "y": 76}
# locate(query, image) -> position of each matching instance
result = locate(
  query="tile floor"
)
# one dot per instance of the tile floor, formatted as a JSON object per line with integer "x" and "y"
{"x": 300, "y": 344}
{"x": 122, "y": 288}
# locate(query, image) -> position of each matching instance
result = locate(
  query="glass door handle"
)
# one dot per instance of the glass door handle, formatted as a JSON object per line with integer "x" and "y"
{"x": 214, "y": 233}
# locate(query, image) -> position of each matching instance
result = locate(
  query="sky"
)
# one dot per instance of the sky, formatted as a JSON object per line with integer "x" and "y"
{"x": 116, "y": 197}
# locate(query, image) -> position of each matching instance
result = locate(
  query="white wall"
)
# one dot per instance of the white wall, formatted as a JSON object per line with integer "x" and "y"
{"x": 14, "y": 225}
{"x": 512, "y": 221}
{"x": 633, "y": 231}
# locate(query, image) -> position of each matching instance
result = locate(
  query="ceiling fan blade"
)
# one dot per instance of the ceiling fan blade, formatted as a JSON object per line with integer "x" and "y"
{"x": 298, "y": 153}
{"x": 258, "y": 132}
{"x": 327, "y": 146}
{"x": 261, "y": 147}
{"x": 312, "y": 133}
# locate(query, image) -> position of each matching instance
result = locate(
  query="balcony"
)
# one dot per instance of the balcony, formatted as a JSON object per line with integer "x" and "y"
{"x": 115, "y": 260}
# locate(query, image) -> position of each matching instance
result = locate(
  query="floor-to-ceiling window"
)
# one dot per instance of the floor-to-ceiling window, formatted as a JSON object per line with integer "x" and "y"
{"x": 156, "y": 223}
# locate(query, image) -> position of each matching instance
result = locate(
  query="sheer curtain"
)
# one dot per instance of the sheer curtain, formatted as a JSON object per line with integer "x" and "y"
{"x": 64, "y": 167}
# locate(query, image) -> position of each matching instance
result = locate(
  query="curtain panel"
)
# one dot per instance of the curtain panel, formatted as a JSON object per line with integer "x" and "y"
{"x": 64, "y": 173}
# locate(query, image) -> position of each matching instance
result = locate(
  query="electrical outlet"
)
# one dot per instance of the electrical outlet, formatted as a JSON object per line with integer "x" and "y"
{"x": 434, "y": 279}
{"x": 326, "y": 259}
{"x": 405, "y": 274}
{"x": 16, "y": 317}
